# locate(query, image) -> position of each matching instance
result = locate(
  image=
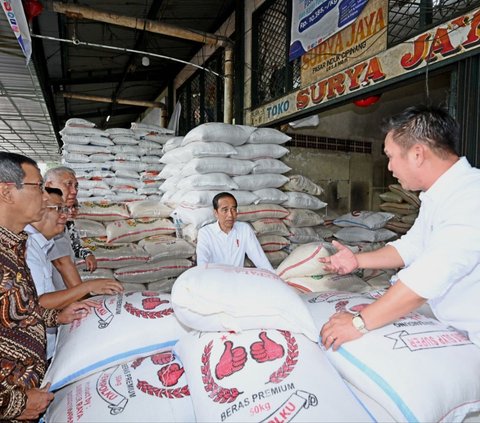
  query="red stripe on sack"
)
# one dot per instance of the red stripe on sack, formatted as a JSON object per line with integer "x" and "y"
{"x": 170, "y": 230}
{"x": 299, "y": 287}
{"x": 138, "y": 272}
{"x": 303, "y": 261}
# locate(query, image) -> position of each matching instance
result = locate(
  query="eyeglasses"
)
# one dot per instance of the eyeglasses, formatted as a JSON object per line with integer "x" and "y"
{"x": 40, "y": 185}
{"x": 59, "y": 209}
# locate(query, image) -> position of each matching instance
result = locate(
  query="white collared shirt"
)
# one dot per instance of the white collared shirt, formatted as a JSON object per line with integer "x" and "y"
{"x": 441, "y": 251}
{"x": 215, "y": 246}
{"x": 41, "y": 269}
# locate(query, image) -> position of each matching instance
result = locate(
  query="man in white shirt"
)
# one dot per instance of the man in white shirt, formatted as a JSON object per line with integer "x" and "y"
{"x": 39, "y": 243}
{"x": 439, "y": 257}
{"x": 227, "y": 241}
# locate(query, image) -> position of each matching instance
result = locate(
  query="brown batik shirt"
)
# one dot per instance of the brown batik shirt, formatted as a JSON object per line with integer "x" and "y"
{"x": 22, "y": 327}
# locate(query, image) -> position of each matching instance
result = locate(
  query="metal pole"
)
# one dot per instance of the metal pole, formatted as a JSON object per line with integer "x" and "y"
{"x": 228, "y": 90}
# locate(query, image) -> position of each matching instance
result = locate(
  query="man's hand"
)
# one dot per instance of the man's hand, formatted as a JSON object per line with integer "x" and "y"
{"x": 91, "y": 262}
{"x": 73, "y": 312}
{"x": 342, "y": 262}
{"x": 104, "y": 286}
{"x": 38, "y": 400}
{"x": 338, "y": 330}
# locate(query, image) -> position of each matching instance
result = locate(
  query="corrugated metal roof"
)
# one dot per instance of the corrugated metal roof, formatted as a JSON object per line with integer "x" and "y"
{"x": 25, "y": 125}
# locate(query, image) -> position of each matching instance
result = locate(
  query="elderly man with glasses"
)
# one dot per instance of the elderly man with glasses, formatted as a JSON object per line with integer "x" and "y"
{"x": 40, "y": 241}
{"x": 63, "y": 253}
{"x": 22, "y": 319}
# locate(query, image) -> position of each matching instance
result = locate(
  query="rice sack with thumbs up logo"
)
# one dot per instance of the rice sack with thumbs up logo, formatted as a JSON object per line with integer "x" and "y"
{"x": 263, "y": 375}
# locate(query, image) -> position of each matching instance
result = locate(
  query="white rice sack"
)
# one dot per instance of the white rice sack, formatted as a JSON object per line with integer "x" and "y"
{"x": 166, "y": 247}
{"x": 303, "y": 235}
{"x": 298, "y": 218}
{"x": 364, "y": 219}
{"x": 151, "y": 272}
{"x": 123, "y": 165}
{"x": 301, "y": 200}
{"x": 260, "y": 211}
{"x": 132, "y": 230}
{"x": 81, "y": 130}
{"x": 271, "y": 243}
{"x": 150, "y": 129}
{"x": 208, "y": 181}
{"x": 103, "y": 212}
{"x": 170, "y": 170}
{"x": 269, "y": 196}
{"x": 171, "y": 183}
{"x": 270, "y": 226}
{"x": 254, "y": 182}
{"x": 163, "y": 285}
{"x": 172, "y": 143}
{"x": 102, "y": 141}
{"x": 260, "y": 151}
{"x": 217, "y": 165}
{"x": 190, "y": 233}
{"x": 95, "y": 174}
{"x": 204, "y": 198}
{"x": 216, "y": 297}
{"x": 88, "y": 167}
{"x": 357, "y": 234}
{"x": 76, "y": 139}
{"x": 219, "y": 132}
{"x": 76, "y": 158}
{"x": 92, "y": 183}
{"x": 303, "y": 261}
{"x": 150, "y": 145}
{"x": 268, "y": 136}
{"x": 133, "y": 287}
{"x": 153, "y": 159}
{"x": 300, "y": 183}
{"x": 126, "y": 174}
{"x": 127, "y": 157}
{"x": 123, "y": 182}
{"x": 264, "y": 375}
{"x": 332, "y": 282}
{"x": 85, "y": 149}
{"x": 89, "y": 228}
{"x": 123, "y": 327}
{"x": 101, "y": 157}
{"x": 276, "y": 257}
{"x": 269, "y": 166}
{"x": 409, "y": 366}
{"x": 80, "y": 123}
{"x": 198, "y": 149}
{"x": 148, "y": 208}
{"x": 197, "y": 216}
{"x": 86, "y": 275}
{"x": 118, "y": 197}
{"x": 123, "y": 150}
{"x": 148, "y": 389}
{"x": 160, "y": 139}
{"x": 152, "y": 175}
{"x": 116, "y": 256}
{"x": 124, "y": 140}
{"x": 112, "y": 132}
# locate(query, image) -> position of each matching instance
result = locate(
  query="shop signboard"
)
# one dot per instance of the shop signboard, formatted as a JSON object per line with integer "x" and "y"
{"x": 453, "y": 38}
{"x": 18, "y": 23}
{"x": 313, "y": 21}
{"x": 363, "y": 38}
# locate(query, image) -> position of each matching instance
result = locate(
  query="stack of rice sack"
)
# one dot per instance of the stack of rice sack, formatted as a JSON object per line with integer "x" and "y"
{"x": 245, "y": 161}
{"x": 403, "y": 204}
{"x": 117, "y": 164}
{"x": 134, "y": 243}
{"x": 117, "y": 365}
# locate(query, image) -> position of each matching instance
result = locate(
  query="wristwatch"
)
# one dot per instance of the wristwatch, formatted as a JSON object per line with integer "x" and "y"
{"x": 358, "y": 323}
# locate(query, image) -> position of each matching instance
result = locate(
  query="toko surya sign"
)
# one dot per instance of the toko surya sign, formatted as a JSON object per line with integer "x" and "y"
{"x": 453, "y": 38}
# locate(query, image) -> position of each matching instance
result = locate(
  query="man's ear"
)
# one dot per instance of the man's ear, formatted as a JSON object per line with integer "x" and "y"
{"x": 419, "y": 150}
{"x": 6, "y": 193}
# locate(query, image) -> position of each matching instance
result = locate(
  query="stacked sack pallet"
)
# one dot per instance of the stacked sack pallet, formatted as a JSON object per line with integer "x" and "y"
{"x": 403, "y": 204}
{"x": 134, "y": 243}
{"x": 117, "y": 164}
{"x": 243, "y": 160}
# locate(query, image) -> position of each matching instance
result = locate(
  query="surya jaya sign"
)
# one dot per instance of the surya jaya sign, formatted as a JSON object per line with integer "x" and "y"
{"x": 444, "y": 41}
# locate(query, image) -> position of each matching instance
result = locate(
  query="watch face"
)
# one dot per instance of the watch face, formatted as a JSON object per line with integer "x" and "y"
{"x": 358, "y": 323}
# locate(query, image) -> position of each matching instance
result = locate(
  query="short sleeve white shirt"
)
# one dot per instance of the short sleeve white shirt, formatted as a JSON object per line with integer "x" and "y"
{"x": 41, "y": 270}
{"x": 441, "y": 252}
{"x": 215, "y": 246}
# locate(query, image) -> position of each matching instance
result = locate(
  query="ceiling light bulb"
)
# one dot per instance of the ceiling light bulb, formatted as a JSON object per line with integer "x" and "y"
{"x": 145, "y": 61}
